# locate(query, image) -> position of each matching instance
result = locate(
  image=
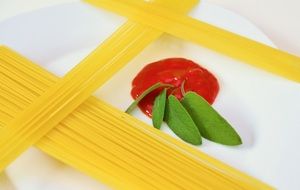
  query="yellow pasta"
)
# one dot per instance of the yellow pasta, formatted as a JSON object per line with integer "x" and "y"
{"x": 112, "y": 146}
{"x": 233, "y": 45}
{"x": 69, "y": 92}
{"x": 96, "y": 138}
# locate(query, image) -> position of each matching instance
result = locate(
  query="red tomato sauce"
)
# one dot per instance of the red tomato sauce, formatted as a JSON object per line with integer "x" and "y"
{"x": 174, "y": 71}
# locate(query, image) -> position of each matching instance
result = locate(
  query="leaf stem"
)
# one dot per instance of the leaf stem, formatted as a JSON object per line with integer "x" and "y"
{"x": 145, "y": 93}
{"x": 182, "y": 88}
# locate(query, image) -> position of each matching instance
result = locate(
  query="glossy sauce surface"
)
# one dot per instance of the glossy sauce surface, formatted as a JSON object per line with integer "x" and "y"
{"x": 174, "y": 71}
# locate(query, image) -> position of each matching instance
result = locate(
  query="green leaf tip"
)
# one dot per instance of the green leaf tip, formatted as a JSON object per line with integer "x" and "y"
{"x": 180, "y": 122}
{"x": 158, "y": 110}
{"x": 210, "y": 123}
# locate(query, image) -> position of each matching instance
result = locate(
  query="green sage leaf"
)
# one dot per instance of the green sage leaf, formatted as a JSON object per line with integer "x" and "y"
{"x": 210, "y": 123}
{"x": 181, "y": 123}
{"x": 158, "y": 110}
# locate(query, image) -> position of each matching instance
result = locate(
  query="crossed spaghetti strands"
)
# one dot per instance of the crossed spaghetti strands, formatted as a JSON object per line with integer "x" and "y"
{"x": 60, "y": 117}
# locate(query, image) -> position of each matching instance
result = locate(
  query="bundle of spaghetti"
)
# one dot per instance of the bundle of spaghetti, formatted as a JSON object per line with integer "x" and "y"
{"x": 220, "y": 40}
{"x": 113, "y": 146}
{"x": 70, "y": 91}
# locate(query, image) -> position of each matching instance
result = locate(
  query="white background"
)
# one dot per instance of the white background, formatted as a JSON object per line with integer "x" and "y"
{"x": 279, "y": 19}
